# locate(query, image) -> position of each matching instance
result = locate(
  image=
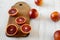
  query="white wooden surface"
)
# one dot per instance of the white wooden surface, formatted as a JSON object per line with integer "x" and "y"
{"x": 43, "y": 27}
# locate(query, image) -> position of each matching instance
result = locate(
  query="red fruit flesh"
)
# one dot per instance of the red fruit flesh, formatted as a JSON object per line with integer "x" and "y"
{"x": 25, "y": 28}
{"x": 57, "y": 35}
{"x": 12, "y": 12}
{"x": 33, "y": 13}
{"x": 38, "y": 2}
{"x": 20, "y": 20}
{"x": 11, "y": 29}
{"x": 55, "y": 16}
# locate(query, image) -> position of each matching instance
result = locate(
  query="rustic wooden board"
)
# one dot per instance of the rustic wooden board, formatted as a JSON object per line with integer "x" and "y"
{"x": 23, "y": 10}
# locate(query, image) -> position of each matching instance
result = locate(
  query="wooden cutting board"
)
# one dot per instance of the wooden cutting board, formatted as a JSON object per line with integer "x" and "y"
{"x": 23, "y": 10}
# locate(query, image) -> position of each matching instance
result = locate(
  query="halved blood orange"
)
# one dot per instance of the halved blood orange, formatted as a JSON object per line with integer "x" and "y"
{"x": 11, "y": 30}
{"x": 25, "y": 28}
{"x": 13, "y": 12}
{"x": 55, "y": 16}
{"x": 20, "y": 20}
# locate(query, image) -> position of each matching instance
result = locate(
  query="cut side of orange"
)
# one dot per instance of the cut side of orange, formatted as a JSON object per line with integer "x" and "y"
{"x": 25, "y": 28}
{"x": 11, "y": 30}
{"x": 20, "y": 20}
{"x": 13, "y": 12}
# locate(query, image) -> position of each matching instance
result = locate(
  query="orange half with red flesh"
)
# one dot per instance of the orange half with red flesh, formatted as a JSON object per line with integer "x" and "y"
{"x": 13, "y": 12}
{"x": 11, "y": 30}
{"x": 20, "y": 20}
{"x": 25, "y": 28}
